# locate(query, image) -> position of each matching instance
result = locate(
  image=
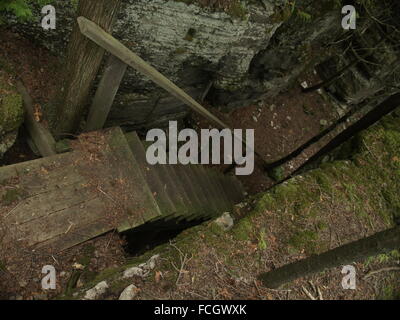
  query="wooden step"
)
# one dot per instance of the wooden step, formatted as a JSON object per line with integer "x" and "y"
{"x": 151, "y": 175}
{"x": 229, "y": 189}
{"x": 212, "y": 190}
{"x": 188, "y": 182}
{"x": 226, "y": 203}
{"x": 239, "y": 192}
{"x": 203, "y": 188}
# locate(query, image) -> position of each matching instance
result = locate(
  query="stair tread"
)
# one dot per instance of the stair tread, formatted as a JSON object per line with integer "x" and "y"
{"x": 206, "y": 189}
{"x": 179, "y": 189}
{"x": 232, "y": 190}
{"x": 151, "y": 175}
{"x": 213, "y": 189}
{"x": 226, "y": 189}
{"x": 187, "y": 183}
{"x": 238, "y": 189}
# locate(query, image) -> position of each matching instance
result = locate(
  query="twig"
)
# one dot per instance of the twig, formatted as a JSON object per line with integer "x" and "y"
{"x": 308, "y": 293}
{"x": 320, "y": 294}
{"x": 69, "y": 227}
{"x": 258, "y": 290}
{"x": 183, "y": 262}
{"x": 11, "y": 211}
{"x": 107, "y": 195}
{"x": 370, "y": 274}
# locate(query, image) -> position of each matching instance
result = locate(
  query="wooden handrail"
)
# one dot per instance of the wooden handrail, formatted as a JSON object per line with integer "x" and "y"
{"x": 115, "y": 47}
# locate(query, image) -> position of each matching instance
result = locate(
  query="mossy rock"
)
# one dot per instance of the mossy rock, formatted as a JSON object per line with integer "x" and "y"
{"x": 11, "y": 108}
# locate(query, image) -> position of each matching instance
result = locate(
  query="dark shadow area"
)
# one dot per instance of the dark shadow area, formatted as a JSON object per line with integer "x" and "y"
{"x": 152, "y": 234}
{"x": 19, "y": 152}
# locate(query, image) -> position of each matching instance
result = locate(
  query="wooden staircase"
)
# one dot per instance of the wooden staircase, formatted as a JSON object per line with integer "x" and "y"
{"x": 57, "y": 202}
{"x": 187, "y": 192}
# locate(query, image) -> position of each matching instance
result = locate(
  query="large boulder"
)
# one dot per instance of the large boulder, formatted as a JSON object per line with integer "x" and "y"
{"x": 11, "y": 114}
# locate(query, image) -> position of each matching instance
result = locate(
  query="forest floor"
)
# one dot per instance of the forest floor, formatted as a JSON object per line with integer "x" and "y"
{"x": 280, "y": 128}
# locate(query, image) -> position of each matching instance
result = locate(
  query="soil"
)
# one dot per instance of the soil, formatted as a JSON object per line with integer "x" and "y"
{"x": 280, "y": 128}
{"x": 281, "y": 125}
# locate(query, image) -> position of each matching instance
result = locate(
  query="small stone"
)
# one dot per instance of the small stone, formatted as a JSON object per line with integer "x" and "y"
{"x": 97, "y": 291}
{"x": 255, "y": 119}
{"x": 23, "y": 283}
{"x": 152, "y": 261}
{"x": 80, "y": 283}
{"x": 78, "y": 266}
{"x": 129, "y": 293}
{"x": 323, "y": 122}
{"x": 134, "y": 271}
{"x": 225, "y": 221}
{"x": 304, "y": 84}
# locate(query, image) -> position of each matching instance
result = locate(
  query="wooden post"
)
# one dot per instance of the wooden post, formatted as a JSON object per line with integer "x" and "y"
{"x": 83, "y": 60}
{"x": 40, "y": 135}
{"x": 105, "y": 94}
{"x": 380, "y": 242}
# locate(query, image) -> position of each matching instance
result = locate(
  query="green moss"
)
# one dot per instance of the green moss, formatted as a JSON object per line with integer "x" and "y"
{"x": 11, "y": 108}
{"x": 277, "y": 173}
{"x": 237, "y": 10}
{"x": 282, "y": 14}
{"x": 11, "y": 196}
{"x": 304, "y": 240}
{"x": 243, "y": 229}
{"x": 390, "y": 292}
{"x": 262, "y": 243}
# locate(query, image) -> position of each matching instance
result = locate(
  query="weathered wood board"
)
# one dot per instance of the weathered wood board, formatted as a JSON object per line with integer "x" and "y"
{"x": 63, "y": 200}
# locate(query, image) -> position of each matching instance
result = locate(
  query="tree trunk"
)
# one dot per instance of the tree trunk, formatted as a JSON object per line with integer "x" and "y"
{"x": 380, "y": 242}
{"x": 384, "y": 108}
{"x": 82, "y": 63}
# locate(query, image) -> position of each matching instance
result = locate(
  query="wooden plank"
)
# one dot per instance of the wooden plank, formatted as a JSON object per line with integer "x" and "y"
{"x": 45, "y": 203}
{"x": 59, "y": 223}
{"x": 74, "y": 237}
{"x": 105, "y": 94}
{"x": 126, "y": 168}
{"x": 40, "y": 135}
{"x": 150, "y": 173}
